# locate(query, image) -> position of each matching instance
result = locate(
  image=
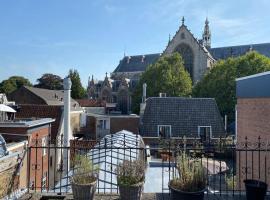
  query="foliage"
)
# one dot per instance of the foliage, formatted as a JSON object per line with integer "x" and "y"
{"x": 84, "y": 170}
{"x": 13, "y": 83}
{"x": 130, "y": 172}
{"x": 219, "y": 82}
{"x": 231, "y": 182}
{"x": 77, "y": 90}
{"x": 167, "y": 75}
{"x": 192, "y": 176}
{"x": 50, "y": 81}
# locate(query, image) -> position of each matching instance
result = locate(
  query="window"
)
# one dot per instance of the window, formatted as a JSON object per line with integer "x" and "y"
{"x": 205, "y": 133}
{"x": 44, "y": 148}
{"x": 164, "y": 131}
{"x": 187, "y": 54}
{"x": 102, "y": 124}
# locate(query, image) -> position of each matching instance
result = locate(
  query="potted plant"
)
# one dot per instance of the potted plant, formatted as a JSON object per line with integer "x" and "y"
{"x": 130, "y": 179}
{"x": 191, "y": 182}
{"x": 84, "y": 178}
{"x": 255, "y": 189}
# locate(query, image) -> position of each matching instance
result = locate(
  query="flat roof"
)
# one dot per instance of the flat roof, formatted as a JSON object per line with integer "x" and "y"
{"x": 26, "y": 123}
{"x": 254, "y": 86}
{"x": 113, "y": 116}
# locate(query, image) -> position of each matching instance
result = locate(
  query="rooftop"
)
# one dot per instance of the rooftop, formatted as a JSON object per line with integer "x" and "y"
{"x": 26, "y": 123}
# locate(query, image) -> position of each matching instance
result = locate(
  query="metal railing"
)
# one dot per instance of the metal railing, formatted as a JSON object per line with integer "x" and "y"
{"x": 227, "y": 163}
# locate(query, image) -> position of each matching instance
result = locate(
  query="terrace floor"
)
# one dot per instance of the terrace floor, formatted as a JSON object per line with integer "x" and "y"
{"x": 146, "y": 196}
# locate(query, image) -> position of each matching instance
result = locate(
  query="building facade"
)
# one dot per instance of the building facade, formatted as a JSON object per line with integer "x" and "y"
{"x": 198, "y": 56}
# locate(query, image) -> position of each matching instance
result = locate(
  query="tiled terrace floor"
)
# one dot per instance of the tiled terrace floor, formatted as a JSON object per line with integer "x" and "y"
{"x": 146, "y": 196}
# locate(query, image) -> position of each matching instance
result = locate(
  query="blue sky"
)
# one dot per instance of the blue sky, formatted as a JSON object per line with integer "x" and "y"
{"x": 52, "y": 36}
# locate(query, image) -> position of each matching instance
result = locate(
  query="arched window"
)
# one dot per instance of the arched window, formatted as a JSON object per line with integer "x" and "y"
{"x": 106, "y": 95}
{"x": 123, "y": 101}
{"x": 188, "y": 57}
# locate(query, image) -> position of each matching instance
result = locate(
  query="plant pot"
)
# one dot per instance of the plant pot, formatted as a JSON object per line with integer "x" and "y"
{"x": 84, "y": 191}
{"x": 178, "y": 194}
{"x": 132, "y": 192}
{"x": 255, "y": 189}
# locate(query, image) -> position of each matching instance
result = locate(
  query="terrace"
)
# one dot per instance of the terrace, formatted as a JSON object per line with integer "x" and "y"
{"x": 226, "y": 164}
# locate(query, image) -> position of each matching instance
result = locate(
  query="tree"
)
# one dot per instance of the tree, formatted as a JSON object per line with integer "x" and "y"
{"x": 13, "y": 83}
{"x": 50, "y": 81}
{"x": 77, "y": 90}
{"x": 167, "y": 75}
{"x": 219, "y": 82}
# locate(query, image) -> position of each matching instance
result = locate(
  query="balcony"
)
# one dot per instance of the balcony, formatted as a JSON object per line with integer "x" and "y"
{"x": 227, "y": 166}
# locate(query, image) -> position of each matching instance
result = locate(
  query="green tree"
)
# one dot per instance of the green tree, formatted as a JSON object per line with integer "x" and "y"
{"x": 50, "y": 81}
{"x": 77, "y": 90}
{"x": 167, "y": 75}
{"x": 13, "y": 83}
{"x": 219, "y": 82}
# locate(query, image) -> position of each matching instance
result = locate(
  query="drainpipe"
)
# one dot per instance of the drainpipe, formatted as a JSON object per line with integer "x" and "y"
{"x": 66, "y": 140}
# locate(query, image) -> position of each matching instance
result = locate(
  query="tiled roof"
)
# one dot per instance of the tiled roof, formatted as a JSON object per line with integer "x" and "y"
{"x": 136, "y": 63}
{"x": 90, "y": 103}
{"x": 183, "y": 114}
{"x": 51, "y": 97}
{"x": 42, "y": 111}
{"x": 225, "y": 52}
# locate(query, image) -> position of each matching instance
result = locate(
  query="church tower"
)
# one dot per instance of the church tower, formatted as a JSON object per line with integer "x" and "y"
{"x": 206, "y": 37}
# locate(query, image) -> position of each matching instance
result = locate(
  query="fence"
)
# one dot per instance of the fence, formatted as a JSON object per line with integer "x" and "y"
{"x": 227, "y": 163}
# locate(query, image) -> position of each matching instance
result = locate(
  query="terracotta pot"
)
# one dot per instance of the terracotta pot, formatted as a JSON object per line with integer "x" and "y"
{"x": 132, "y": 192}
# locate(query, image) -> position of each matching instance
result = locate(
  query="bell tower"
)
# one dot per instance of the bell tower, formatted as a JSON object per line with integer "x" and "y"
{"x": 206, "y": 37}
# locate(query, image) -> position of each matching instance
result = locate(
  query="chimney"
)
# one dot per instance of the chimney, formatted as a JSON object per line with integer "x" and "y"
{"x": 162, "y": 94}
{"x": 128, "y": 59}
{"x": 143, "y": 57}
{"x": 144, "y": 93}
{"x": 67, "y": 132}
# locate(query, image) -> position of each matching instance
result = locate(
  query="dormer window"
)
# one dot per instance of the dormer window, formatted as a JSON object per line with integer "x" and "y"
{"x": 164, "y": 131}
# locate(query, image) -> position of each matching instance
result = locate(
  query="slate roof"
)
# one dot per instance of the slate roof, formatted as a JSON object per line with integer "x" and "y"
{"x": 51, "y": 97}
{"x": 136, "y": 63}
{"x": 183, "y": 114}
{"x": 42, "y": 111}
{"x": 225, "y": 52}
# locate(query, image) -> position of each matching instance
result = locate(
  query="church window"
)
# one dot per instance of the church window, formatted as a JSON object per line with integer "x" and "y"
{"x": 188, "y": 57}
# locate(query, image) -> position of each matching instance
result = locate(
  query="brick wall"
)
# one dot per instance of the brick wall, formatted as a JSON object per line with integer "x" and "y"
{"x": 253, "y": 120}
{"x": 124, "y": 123}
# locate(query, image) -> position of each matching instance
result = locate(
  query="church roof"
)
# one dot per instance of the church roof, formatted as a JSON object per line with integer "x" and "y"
{"x": 225, "y": 52}
{"x": 136, "y": 63}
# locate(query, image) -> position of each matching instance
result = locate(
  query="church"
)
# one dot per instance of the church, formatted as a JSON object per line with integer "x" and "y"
{"x": 197, "y": 54}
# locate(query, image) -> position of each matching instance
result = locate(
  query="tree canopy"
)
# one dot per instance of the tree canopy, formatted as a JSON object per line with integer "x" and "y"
{"x": 77, "y": 90}
{"x": 50, "y": 81}
{"x": 13, "y": 83}
{"x": 219, "y": 82}
{"x": 167, "y": 75}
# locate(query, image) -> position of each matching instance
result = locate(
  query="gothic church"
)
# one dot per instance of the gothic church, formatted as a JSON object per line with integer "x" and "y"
{"x": 197, "y": 54}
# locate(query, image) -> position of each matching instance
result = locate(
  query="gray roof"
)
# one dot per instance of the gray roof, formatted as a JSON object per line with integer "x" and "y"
{"x": 254, "y": 86}
{"x": 183, "y": 114}
{"x": 136, "y": 63}
{"x": 51, "y": 97}
{"x": 225, "y": 52}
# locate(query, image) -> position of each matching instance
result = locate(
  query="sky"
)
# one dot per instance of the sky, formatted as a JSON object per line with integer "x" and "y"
{"x": 53, "y": 36}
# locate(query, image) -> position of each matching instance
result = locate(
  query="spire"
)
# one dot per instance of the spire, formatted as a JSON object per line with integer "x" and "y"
{"x": 183, "y": 20}
{"x": 169, "y": 38}
{"x": 206, "y": 37}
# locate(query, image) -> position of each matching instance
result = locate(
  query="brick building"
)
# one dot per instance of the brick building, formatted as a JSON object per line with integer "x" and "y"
{"x": 252, "y": 126}
{"x": 100, "y": 125}
{"x": 36, "y": 133}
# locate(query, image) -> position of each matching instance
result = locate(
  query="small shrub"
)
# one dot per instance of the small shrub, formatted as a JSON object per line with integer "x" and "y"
{"x": 130, "y": 172}
{"x": 192, "y": 176}
{"x": 84, "y": 170}
{"x": 231, "y": 182}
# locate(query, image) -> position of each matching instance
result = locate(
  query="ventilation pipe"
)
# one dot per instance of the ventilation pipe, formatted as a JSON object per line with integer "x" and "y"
{"x": 144, "y": 93}
{"x": 67, "y": 89}
{"x": 225, "y": 123}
